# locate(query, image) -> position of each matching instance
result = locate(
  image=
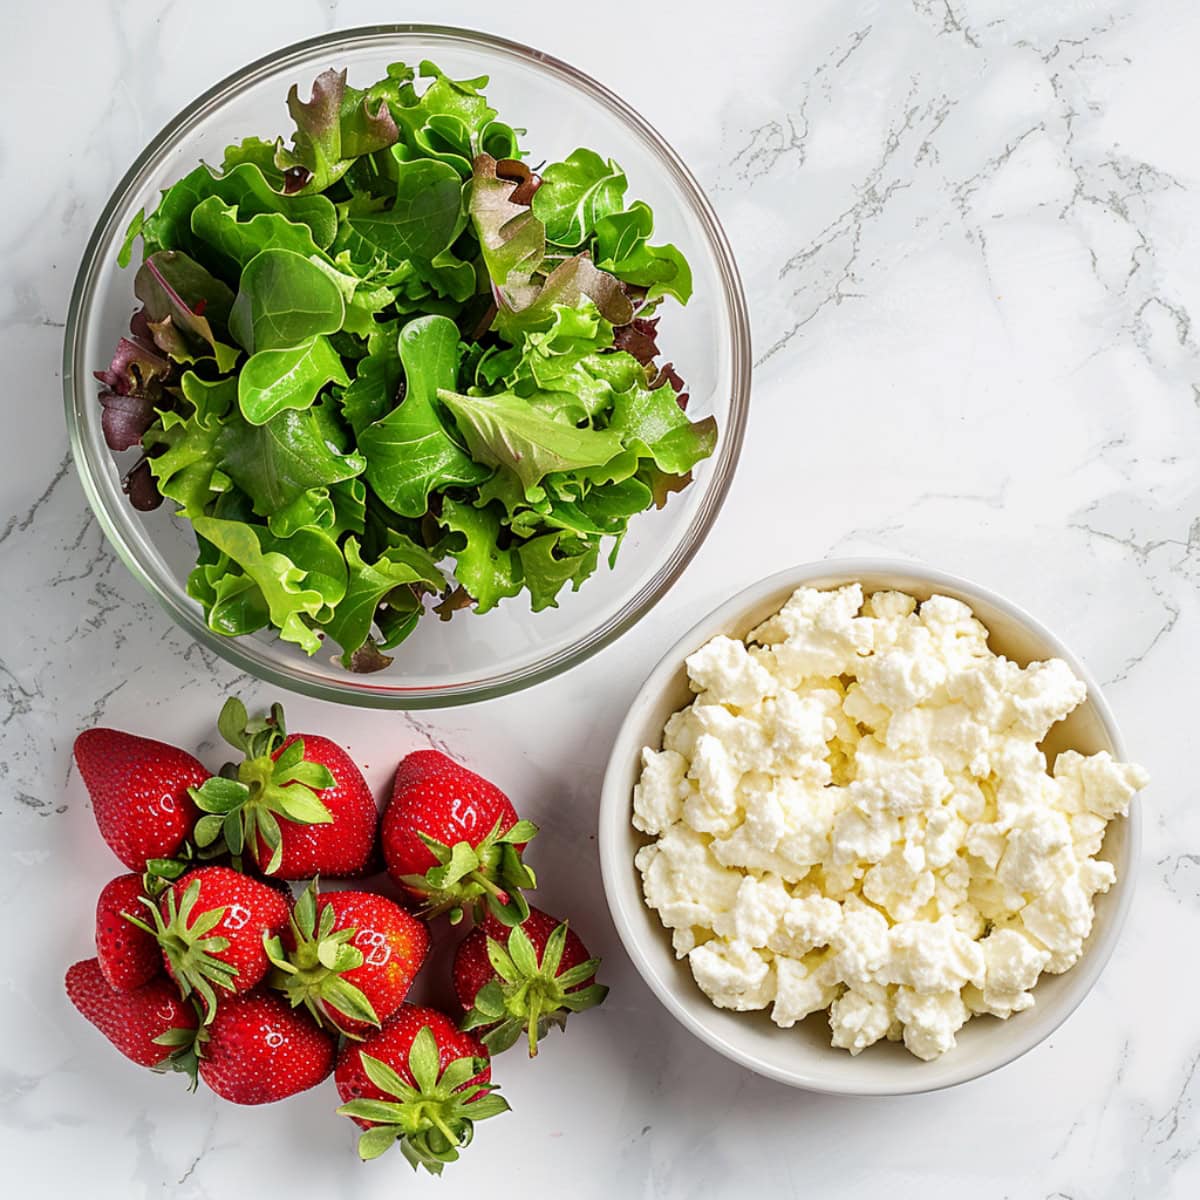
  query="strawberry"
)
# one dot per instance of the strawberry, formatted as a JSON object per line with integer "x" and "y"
{"x": 523, "y": 980}
{"x": 259, "y": 1050}
{"x": 128, "y": 955}
{"x": 453, "y": 840}
{"x": 297, "y": 804}
{"x": 150, "y": 1024}
{"x": 420, "y": 1082}
{"x": 349, "y": 957}
{"x": 139, "y": 790}
{"x": 211, "y": 925}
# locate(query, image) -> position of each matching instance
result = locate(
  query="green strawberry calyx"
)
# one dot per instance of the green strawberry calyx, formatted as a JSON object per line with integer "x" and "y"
{"x": 190, "y": 946}
{"x": 529, "y": 996}
{"x": 243, "y": 805}
{"x": 488, "y": 878}
{"x": 312, "y": 973}
{"x": 433, "y": 1117}
{"x": 183, "y": 1048}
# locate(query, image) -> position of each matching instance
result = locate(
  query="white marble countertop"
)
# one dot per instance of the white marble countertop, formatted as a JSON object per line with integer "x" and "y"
{"x": 968, "y": 232}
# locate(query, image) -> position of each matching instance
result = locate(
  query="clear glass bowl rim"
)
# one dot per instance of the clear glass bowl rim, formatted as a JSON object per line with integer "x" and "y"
{"x": 119, "y": 521}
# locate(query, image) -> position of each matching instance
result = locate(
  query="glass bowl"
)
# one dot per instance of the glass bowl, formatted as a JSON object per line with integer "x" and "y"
{"x": 470, "y": 657}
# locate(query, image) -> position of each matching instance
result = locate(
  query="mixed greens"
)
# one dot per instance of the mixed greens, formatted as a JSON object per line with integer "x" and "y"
{"x": 390, "y": 363}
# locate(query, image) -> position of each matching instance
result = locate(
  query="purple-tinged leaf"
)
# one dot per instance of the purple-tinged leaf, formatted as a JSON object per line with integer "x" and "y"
{"x": 140, "y": 486}
{"x": 638, "y": 338}
{"x": 125, "y": 418}
{"x": 176, "y": 289}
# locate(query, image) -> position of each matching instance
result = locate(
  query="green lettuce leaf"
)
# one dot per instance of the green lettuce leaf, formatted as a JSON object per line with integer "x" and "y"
{"x": 650, "y": 422}
{"x": 489, "y": 573}
{"x": 274, "y": 380}
{"x": 334, "y": 126}
{"x": 276, "y": 576}
{"x": 219, "y": 226}
{"x": 244, "y": 187}
{"x": 576, "y": 194}
{"x": 278, "y": 462}
{"x": 424, "y": 217}
{"x": 408, "y": 452}
{"x": 505, "y": 430}
{"x": 283, "y": 300}
{"x": 622, "y": 248}
{"x": 387, "y": 578}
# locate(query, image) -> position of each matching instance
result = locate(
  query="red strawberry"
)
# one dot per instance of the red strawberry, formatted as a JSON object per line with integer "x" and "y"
{"x": 523, "y": 980}
{"x": 150, "y": 1025}
{"x": 128, "y": 955}
{"x": 211, "y": 925}
{"x": 420, "y": 1082}
{"x": 453, "y": 839}
{"x": 296, "y": 803}
{"x": 259, "y": 1050}
{"x": 139, "y": 790}
{"x": 350, "y": 957}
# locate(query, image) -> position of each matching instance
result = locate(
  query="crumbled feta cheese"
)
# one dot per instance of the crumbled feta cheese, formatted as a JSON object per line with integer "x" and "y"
{"x": 855, "y": 814}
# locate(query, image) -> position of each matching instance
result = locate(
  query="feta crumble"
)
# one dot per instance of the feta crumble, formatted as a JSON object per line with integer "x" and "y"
{"x": 854, "y": 815}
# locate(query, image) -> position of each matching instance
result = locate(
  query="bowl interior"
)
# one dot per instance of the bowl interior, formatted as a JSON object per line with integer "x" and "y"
{"x": 468, "y": 657}
{"x": 802, "y": 1056}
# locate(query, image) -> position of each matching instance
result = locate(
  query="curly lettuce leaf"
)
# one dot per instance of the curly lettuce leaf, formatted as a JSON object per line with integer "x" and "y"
{"x": 651, "y": 423}
{"x": 279, "y": 580}
{"x": 388, "y": 578}
{"x": 576, "y": 194}
{"x": 505, "y": 430}
{"x": 622, "y": 247}
{"x": 278, "y": 462}
{"x": 511, "y": 238}
{"x": 245, "y": 188}
{"x": 551, "y": 561}
{"x": 574, "y": 280}
{"x": 220, "y": 226}
{"x": 408, "y": 451}
{"x": 334, "y": 126}
{"x": 488, "y": 572}
{"x": 424, "y": 217}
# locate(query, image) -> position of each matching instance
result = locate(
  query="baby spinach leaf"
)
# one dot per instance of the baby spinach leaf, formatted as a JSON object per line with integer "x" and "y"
{"x": 487, "y": 572}
{"x": 283, "y": 300}
{"x": 577, "y": 193}
{"x": 409, "y": 452}
{"x": 281, "y": 460}
{"x": 505, "y": 430}
{"x": 424, "y": 217}
{"x": 275, "y": 575}
{"x": 274, "y": 380}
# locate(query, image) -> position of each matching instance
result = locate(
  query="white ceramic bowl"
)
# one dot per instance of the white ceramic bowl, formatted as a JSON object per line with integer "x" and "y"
{"x": 802, "y": 1056}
